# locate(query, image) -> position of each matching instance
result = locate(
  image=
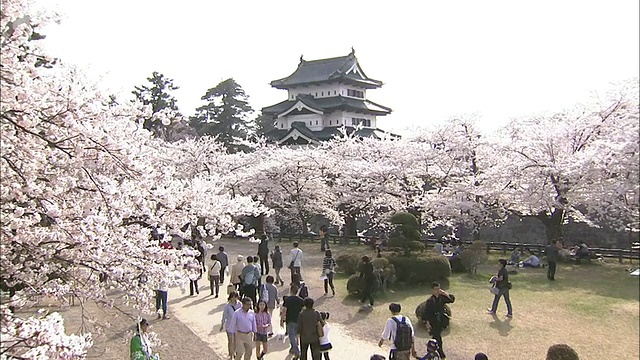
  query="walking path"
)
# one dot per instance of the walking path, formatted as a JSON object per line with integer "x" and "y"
{"x": 202, "y": 313}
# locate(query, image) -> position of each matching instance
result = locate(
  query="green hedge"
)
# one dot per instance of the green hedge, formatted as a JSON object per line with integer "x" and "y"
{"x": 420, "y": 269}
{"x": 348, "y": 263}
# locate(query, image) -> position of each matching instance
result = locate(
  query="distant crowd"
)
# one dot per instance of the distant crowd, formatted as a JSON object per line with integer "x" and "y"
{"x": 247, "y": 317}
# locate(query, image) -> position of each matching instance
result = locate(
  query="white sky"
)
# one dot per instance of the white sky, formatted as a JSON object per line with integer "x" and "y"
{"x": 499, "y": 59}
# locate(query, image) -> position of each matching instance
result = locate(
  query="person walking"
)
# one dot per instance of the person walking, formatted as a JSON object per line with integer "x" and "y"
{"x": 243, "y": 326}
{"x": 399, "y": 331}
{"x": 325, "y": 343}
{"x": 250, "y": 275}
{"x": 324, "y": 238}
{"x": 236, "y": 272}
{"x": 308, "y": 322}
{"x": 328, "y": 270}
{"x": 194, "y": 267}
{"x": 291, "y": 308}
{"x": 366, "y": 273}
{"x": 276, "y": 262}
{"x": 553, "y": 251}
{"x": 503, "y": 285}
{"x": 162, "y": 294}
{"x": 233, "y": 304}
{"x": 272, "y": 298}
{"x": 263, "y": 324}
{"x": 435, "y": 316}
{"x": 214, "y": 276}
{"x": 263, "y": 254}
{"x": 295, "y": 260}
{"x": 224, "y": 262}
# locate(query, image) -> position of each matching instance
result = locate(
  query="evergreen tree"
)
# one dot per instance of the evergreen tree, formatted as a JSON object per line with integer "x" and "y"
{"x": 225, "y": 114}
{"x": 157, "y": 95}
{"x": 264, "y": 124}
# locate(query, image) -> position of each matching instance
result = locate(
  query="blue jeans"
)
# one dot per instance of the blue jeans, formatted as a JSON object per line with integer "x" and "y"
{"x": 505, "y": 293}
{"x": 292, "y": 330}
{"x": 161, "y": 301}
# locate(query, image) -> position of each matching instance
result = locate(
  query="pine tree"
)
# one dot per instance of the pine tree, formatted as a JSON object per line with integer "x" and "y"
{"x": 264, "y": 124}
{"x": 157, "y": 95}
{"x": 225, "y": 114}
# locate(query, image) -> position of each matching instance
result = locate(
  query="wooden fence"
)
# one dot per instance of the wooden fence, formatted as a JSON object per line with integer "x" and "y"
{"x": 621, "y": 254}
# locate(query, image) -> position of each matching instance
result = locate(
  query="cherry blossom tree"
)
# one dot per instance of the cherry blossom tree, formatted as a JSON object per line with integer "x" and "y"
{"x": 581, "y": 163}
{"x": 80, "y": 176}
{"x": 459, "y": 155}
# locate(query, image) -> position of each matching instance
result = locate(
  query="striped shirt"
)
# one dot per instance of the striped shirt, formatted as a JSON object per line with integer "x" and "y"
{"x": 329, "y": 263}
{"x": 263, "y": 320}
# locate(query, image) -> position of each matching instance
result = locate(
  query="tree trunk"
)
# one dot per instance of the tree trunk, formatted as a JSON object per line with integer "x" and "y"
{"x": 349, "y": 227}
{"x": 257, "y": 223}
{"x": 476, "y": 233}
{"x": 552, "y": 224}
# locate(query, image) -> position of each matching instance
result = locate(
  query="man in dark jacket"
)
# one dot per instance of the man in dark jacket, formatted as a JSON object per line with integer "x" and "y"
{"x": 263, "y": 253}
{"x": 552, "y": 257}
{"x": 434, "y": 313}
{"x": 308, "y": 331}
{"x": 366, "y": 273}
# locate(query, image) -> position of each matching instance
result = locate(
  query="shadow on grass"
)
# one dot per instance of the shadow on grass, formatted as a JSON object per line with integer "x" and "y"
{"x": 611, "y": 280}
{"x": 503, "y": 326}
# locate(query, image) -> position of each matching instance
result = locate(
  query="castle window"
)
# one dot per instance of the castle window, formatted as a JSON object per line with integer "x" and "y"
{"x": 355, "y": 93}
{"x": 322, "y": 93}
{"x": 316, "y": 122}
{"x": 361, "y": 121}
{"x": 334, "y": 92}
{"x": 329, "y": 122}
{"x": 316, "y": 94}
{"x": 281, "y": 125}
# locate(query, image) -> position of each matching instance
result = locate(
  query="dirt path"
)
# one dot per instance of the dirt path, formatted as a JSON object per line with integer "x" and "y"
{"x": 202, "y": 313}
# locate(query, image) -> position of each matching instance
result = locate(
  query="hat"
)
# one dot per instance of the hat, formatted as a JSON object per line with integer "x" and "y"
{"x": 240, "y": 257}
{"x": 144, "y": 322}
{"x": 481, "y": 356}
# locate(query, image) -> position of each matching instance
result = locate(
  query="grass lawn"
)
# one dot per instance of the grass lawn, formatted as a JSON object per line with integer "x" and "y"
{"x": 593, "y": 307}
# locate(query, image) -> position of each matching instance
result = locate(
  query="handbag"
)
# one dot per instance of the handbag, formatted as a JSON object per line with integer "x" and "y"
{"x": 494, "y": 290}
{"x": 230, "y": 288}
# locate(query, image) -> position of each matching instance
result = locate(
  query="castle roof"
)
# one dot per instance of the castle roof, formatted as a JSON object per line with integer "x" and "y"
{"x": 327, "y": 104}
{"x": 299, "y": 133}
{"x": 343, "y": 69}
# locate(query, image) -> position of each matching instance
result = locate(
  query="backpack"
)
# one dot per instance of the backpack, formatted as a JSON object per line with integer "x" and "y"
{"x": 248, "y": 280}
{"x": 403, "y": 339}
{"x": 264, "y": 293}
{"x": 304, "y": 291}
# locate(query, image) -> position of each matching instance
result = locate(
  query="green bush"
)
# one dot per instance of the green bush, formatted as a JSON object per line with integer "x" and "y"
{"x": 456, "y": 265}
{"x": 420, "y": 269}
{"x": 348, "y": 263}
{"x": 473, "y": 256}
{"x": 406, "y": 233}
{"x": 420, "y": 310}
{"x": 355, "y": 285}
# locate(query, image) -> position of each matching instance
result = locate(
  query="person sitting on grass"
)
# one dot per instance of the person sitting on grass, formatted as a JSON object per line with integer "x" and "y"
{"x": 515, "y": 257}
{"x": 532, "y": 261}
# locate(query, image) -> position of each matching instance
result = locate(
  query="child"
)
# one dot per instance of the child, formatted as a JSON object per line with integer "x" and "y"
{"x": 432, "y": 351}
{"x": 263, "y": 321}
{"x": 272, "y": 299}
{"x": 325, "y": 344}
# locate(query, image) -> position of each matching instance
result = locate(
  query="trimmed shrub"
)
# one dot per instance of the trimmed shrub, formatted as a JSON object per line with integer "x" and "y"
{"x": 473, "y": 256}
{"x": 456, "y": 264}
{"x": 385, "y": 277}
{"x": 420, "y": 310}
{"x": 355, "y": 285}
{"x": 422, "y": 269}
{"x": 406, "y": 234}
{"x": 348, "y": 263}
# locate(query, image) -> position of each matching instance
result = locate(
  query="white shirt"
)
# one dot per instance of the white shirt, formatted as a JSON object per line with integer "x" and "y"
{"x": 325, "y": 339}
{"x": 215, "y": 268}
{"x": 390, "y": 327}
{"x": 296, "y": 257}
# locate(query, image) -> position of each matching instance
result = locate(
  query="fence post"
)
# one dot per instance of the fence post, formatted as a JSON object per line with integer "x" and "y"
{"x": 504, "y": 247}
{"x": 620, "y": 255}
{"x": 488, "y": 247}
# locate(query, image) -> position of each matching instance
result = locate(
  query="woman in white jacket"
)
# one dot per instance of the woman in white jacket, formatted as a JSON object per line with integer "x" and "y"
{"x": 325, "y": 344}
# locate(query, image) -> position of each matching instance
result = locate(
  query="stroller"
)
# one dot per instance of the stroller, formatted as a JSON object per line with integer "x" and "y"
{"x": 432, "y": 351}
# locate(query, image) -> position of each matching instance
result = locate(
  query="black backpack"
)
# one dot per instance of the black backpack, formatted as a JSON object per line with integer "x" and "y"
{"x": 403, "y": 340}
